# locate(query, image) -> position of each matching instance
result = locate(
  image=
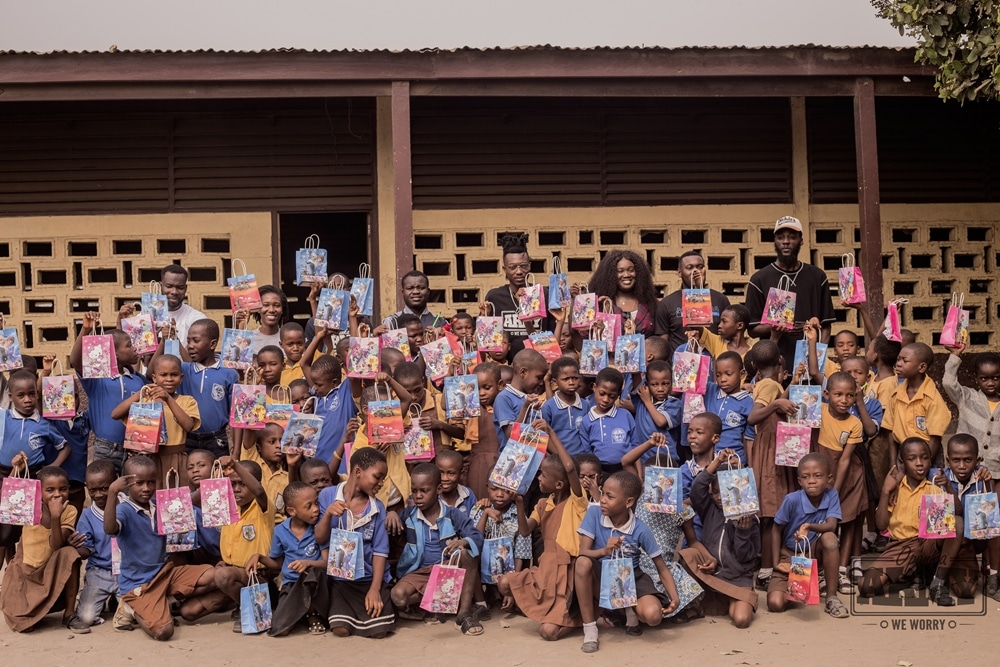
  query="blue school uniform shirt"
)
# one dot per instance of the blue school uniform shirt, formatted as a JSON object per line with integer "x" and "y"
{"x": 29, "y": 434}
{"x": 961, "y": 490}
{"x": 91, "y": 526}
{"x": 371, "y": 525}
{"x": 207, "y": 536}
{"x": 76, "y": 433}
{"x": 672, "y": 408}
{"x": 286, "y": 546}
{"x": 336, "y": 408}
{"x": 506, "y": 408}
{"x": 143, "y": 551}
{"x": 690, "y": 470}
{"x": 733, "y": 409}
{"x": 103, "y": 396}
{"x": 875, "y": 411}
{"x": 424, "y": 542}
{"x": 610, "y": 435}
{"x": 565, "y": 419}
{"x": 211, "y": 387}
{"x": 466, "y": 500}
{"x": 636, "y": 535}
{"x": 796, "y": 509}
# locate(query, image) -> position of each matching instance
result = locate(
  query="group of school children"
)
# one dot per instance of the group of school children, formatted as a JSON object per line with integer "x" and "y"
{"x": 878, "y": 450}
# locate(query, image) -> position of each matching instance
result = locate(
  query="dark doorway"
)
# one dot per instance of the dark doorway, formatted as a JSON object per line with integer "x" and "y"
{"x": 343, "y": 235}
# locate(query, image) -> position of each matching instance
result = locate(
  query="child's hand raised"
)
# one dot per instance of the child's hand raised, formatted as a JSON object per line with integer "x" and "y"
{"x": 940, "y": 480}
{"x": 321, "y": 331}
{"x": 483, "y": 308}
{"x": 892, "y": 480}
{"x": 643, "y": 392}
{"x": 379, "y": 330}
{"x": 47, "y": 361}
{"x": 314, "y": 289}
{"x": 982, "y": 475}
{"x": 745, "y": 521}
{"x": 353, "y": 426}
{"x": 228, "y": 465}
{"x": 657, "y": 439}
{"x": 354, "y": 309}
{"x": 240, "y": 318}
{"x": 127, "y": 310}
{"x": 293, "y": 456}
{"x": 382, "y": 378}
{"x": 558, "y": 314}
{"x": 90, "y": 320}
{"x": 121, "y": 484}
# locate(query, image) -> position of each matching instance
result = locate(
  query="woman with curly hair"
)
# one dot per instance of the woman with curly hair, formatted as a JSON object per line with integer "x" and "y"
{"x": 272, "y": 314}
{"x": 625, "y": 278}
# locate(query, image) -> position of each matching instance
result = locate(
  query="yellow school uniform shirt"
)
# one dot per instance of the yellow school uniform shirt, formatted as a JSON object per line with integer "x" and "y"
{"x": 923, "y": 416}
{"x": 715, "y": 346}
{"x": 175, "y": 434}
{"x": 566, "y": 536}
{"x": 396, "y": 487}
{"x": 831, "y": 367}
{"x": 836, "y": 434}
{"x": 766, "y": 391}
{"x": 883, "y": 390}
{"x": 35, "y": 545}
{"x": 274, "y": 483}
{"x": 293, "y": 371}
{"x": 250, "y": 535}
{"x": 434, "y": 403}
{"x": 903, "y": 520}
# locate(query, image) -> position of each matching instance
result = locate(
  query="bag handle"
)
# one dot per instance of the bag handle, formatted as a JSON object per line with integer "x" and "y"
{"x": 847, "y": 260}
{"x": 351, "y": 522}
{"x": 143, "y": 393}
{"x": 364, "y": 331}
{"x": 556, "y": 264}
{"x": 55, "y": 361}
{"x": 252, "y": 579}
{"x": 306, "y": 402}
{"x": 414, "y": 415}
{"x": 453, "y": 560}
{"x": 283, "y": 396}
{"x": 98, "y": 323}
{"x": 177, "y": 479}
{"x": 607, "y": 305}
{"x": 216, "y": 469}
{"x": 529, "y": 280}
{"x": 252, "y": 375}
{"x": 312, "y": 242}
{"x": 239, "y": 272}
{"x": 364, "y": 271}
{"x": 957, "y": 300}
{"x": 656, "y": 457}
{"x": 337, "y": 281}
{"x": 491, "y": 310}
{"x": 246, "y": 320}
{"x": 785, "y": 283}
{"x": 806, "y": 550}
{"x": 694, "y": 346}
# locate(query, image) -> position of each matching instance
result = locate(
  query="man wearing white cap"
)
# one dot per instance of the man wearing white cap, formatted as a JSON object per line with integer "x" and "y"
{"x": 812, "y": 290}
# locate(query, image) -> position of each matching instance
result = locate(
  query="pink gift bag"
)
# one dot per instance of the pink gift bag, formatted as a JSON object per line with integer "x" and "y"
{"x": 249, "y": 404}
{"x": 691, "y": 370}
{"x": 363, "y": 357}
{"x": 584, "y": 311}
{"x": 174, "y": 512}
{"x": 142, "y": 331}
{"x": 694, "y": 405}
{"x": 21, "y": 500}
{"x": 851, "y": 282}
{"x": 418, "y": 443}
{"x": 218, "y": 504}
{"x": 792, "y": 442}
{"x": 444, "y": 587}
{"x": 58, "y": 395}
{"x": 956, "y": 325}
{"x": 489, "y": 333}
{"x": 531, "y": 302}
{"x": 936, "y": 516}
{"x": 779, "y": 309}
{"x": 891, "y": 327}
{"x": 612, "y": 322}
{"x": 98, "y": 356}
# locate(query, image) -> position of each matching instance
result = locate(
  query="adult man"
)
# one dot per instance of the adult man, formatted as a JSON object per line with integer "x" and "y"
{"x": 812, "y": 291}
{"x": 415, "y": 288}
{"x": 173, "y": 282}
{"x": 691, "y": 269}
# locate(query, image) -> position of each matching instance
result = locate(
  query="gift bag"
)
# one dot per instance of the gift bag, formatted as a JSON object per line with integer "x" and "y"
{"x": 10, "y": 347}
{"x": 142, "y": 332}
{"x": 545, "y": 344}
{"x": 243, "y": 292}
{"x": 779, "y": 309}
{"x": 154, "y": 303}
{"x": 170, "y": 344}
{"x": 418, "y": 443}
{"x": 691, "y": 370}
{"x": 98, "y": 356}
{"x": 559, "y": 294}
{"x": 809, "y": 399}
{"x": 696, "y": 307}
{"x": 249, "y": 404}
{"x": 58, "y": 395}
{"x": 497, "y": 557}
{"x": 237, "y": 349}
{"x": 851, "y": 282}
{"x": 255, "y": 607}
{"x": 174, "y": 512}
{"x": 310, "y": 262}
{"x": 302, "y": 434}
{"x": 891, "y": 326}
{"x": 802, "y": 354}
{"x": 346, "y": 558}
{"x": 279, "y": 411}
{"x": 363, "y": 359}
{"x": 531, "y": 301}
{"x": 956, "y": 325}
{"x": 363, "y": 290}
{"x": 116, "y": 558}
{"x": 584, "y": 311}
{"x": 738, "y": 489}
{"x": 397, "y": 340}
{"x": 982, "y": 515}
{"x": 444, "y": 587}
{"x": 630, "y": 353}
{"x": 385, "y": 419}
{"x": 461, "y": 396}
{"x": 218, "y": 504}
{"x": 937, "y": 516}
{"x": 521, "y": 457}
{"x": 617, "y": 582}
{"x": 694, "y": 404}
{"x": 333, "y": 309}
{"x": 661, "y": 490}
{"x": 437, "y": 358}
{"x": 20, "y": 500}
{"x": 177, "y": 542}
{"x": 489, "y": 333}
{"x": 593, "y": 357}
{"x": 792, "y": 442}
{"x": 145, "y": 428}
{"x": 803, "y": 575}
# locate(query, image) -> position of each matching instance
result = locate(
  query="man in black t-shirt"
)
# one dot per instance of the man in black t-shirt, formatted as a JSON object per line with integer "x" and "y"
{"x": 812, "y": 290}
{"x": 669, "y": 323}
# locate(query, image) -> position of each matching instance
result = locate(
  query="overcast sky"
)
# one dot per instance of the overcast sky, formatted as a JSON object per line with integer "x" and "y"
{"x": 94, "y": 25}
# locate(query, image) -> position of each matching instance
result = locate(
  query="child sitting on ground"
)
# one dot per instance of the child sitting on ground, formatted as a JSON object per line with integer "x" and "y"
{"x": 100, "y": 582}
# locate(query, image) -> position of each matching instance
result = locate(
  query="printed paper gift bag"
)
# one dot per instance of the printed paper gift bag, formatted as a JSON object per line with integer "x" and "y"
{"x": 608, "y": 323}
{"x": 497, "y": 557}
{"x": 58, "y": 395}
{"x": 521, "y": 457}
{"x": 145, "y": 429}
{"x": 20, "y": 500}
{"x": 437, "y": 358}
{"x": 694, "y": 404}
{"x": 363, "y": 359}
{"x": 10, "y": 347}
{"x": 243, "y": 291}
{"x": 302, "y": 433}
{"x": 559, "y": 294}
{"x": 630, "y": 353}
{"x": 170, "y": 344}
{"x": 803, "y": 575}
{"x": 444, "y": 587}
{"x": 545, "y": 343}
{"x": 116, "y": 558}
{"x": 154, "y": 303}
{"x": 593, "y": 357}
{"x": 249, "y": 404}
{"x": 363, "y": 290}
{"x": 177, "y": 542}
{"x": 310, "y": 262}
{"x": 98, "y": 355}
{"x": 333, "y": 309}
{"x": 891, "y": 327}
{"x": 802, "y": 355}
{"x": 696, "y": 307}
{"x": 531, "y": 301}
{"x": 982, "y": 514}
{"x": 255, "y": 607}
{"x": 792, "y": 442}
{"x": 851, "y": 282}
{"x": 174, "y": 512}
{"x": 955, "y": 332}
{"x": 461, "y": 397}
{"x": 346, "y": 558}
{"x": 397, "y": 340}
{"x": 661, "y": 491}
{"x": 385, "y": 420}
{"x": 279, "y": 411}
{"x": 237, "y": 349}
{"x": 779, "y": 309}
{"x": 142, "y": 332}
{"x": 936, "y": 516}
{"x": 617, "y": 582}
{"x": 809, "y": 399}
{"x": 691, "y": 369}
{"x": 738, "y": 489}
{"x": 218, "y": 504}
{"x": 418, "y": 443}
{"x": 584, "y": 311}
{"x": 489, "y": 332}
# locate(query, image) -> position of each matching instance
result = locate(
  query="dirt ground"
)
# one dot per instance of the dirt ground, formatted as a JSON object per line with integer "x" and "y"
{"x": 801, "y": 636}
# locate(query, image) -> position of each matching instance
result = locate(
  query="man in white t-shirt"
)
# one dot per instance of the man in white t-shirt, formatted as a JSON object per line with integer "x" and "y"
{"x": 173, "y": 281}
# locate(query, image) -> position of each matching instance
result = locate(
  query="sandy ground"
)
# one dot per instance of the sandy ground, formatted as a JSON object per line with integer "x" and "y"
{"x": 799, "y": 637}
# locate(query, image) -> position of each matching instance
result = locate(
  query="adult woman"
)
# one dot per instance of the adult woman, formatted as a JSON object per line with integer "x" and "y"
{"x": 272, "y": 314}
{"x": 624, "y": 277}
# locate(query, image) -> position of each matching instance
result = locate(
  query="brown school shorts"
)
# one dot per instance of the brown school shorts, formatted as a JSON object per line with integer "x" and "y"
{"x": 418, "y": 579}
{"x": 149, "y": 602}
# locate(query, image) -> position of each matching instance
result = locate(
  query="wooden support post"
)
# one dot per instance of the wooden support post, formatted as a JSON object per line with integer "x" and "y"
{"x": 866, "y": 147}
{"x": 402, "y": 178}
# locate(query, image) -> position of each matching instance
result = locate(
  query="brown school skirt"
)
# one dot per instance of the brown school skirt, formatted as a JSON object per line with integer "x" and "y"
{"x": 31, "y": 593}
{"x": 689, "y": 558}
{"x": 773, "y": 482}
{"x": 853, "y": 492}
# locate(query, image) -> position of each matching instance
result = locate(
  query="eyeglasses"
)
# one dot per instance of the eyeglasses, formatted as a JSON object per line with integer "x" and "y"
{"x": 514, "y": 267}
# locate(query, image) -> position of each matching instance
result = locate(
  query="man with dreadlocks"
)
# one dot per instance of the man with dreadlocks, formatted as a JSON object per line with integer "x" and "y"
{"x": 624, "y": 277}
{"x": 516, "y": 266}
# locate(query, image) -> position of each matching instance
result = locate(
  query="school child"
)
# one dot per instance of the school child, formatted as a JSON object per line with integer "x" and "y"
{"x": 977, "y": 408}
{"x": 395, "y": 491}
{"x": 591, "y": 476}
{"x": 496, "y": 516}
{"x": 316, "y": 474}
{"x": 656, "y": 411}
{"x": 363, "y": 606}
{"x": 44, "y": 575}
{"x": 523, "y": 390}
{"x": 734, "y": 324}
{"x": 453, "y": 494}
{"x": 917, "y": 409}
{"x": 668, "y": 530}
{"x": 845, "y": 344}
{"x": 334, "y": 400}
{"x": 726, "y": 398}
{"x": 565, "y": 410}
{"x": 104, "y": 394}
{"x": 266, "y": 452}
{"x": 301, "y": 560}
{"x": 480, "y": 433}
{"x": 199, "y": 466}
{"x": 723, "y": 560}
{"x": 569, "y": 338}
{"x": 298, "y": 394}
{"x": 607, "y": 431}
{"x": 544, "y": 592}
{"x": 881, "y": 356}
{"x": 210, "y": 385}
{"x": 599, "y": 542}
{"x": 702, "y": 438}
{"x": 147, "y": 580}
{"x": 292, "y": 340}
{"x": 432, "y": 412}
{"x": 76, "y": 432}
{"x": 463, "y": 325}
{"x": 180, "y": 413}
{"x": 898, "y": 508}
{"x": 434, "y": 532}
{"x": 809, "y": 514}
{"x": 100, "y": 583}
{"x": 270, "y": 364}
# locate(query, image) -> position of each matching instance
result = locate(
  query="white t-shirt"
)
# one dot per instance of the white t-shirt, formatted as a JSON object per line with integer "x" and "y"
{"x": 184, "y": 317}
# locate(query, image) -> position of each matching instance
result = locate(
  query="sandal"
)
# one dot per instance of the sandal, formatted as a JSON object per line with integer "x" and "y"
{"x": 316, "y": 626}
{"x": 836, "y": 608}
{"x": 687, "y": 615}
{"x": 469, "y": 624}
{"x": 844, "y": 585}
{"x": 633, "y": 630}
{"x": 408, "y": 614}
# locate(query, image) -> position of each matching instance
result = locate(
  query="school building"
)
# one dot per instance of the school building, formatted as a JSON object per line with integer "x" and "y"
{"x": 114, "y": 164}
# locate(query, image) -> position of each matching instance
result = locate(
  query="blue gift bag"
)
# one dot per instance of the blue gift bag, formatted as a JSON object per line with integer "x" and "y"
{"x": 255, "y": 607}
{"x": 362, "y": 289}
{"x": 617, "y": 583}
{"x": 346, "y": 559}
